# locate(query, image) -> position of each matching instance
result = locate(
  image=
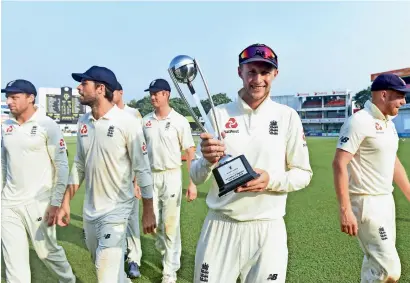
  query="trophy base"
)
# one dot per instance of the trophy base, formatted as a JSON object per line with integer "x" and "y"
{"x": 233, "y": 173}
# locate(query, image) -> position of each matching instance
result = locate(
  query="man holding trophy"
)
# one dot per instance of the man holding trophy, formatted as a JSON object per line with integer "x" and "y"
{"x": 262, "y": 157}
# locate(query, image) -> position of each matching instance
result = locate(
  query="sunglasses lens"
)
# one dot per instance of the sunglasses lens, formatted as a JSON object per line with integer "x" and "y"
{"x": 262, "y": 51}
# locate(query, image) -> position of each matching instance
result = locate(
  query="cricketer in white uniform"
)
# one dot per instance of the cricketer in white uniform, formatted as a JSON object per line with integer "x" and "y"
{"x": 168, "y": 133}
{"x": 34, "y": 176}
{"x": 110, "y": 149}
{"x": 244, "y": 234}
{"x": 365, "y": 166}
{"x": 133, "y": 251}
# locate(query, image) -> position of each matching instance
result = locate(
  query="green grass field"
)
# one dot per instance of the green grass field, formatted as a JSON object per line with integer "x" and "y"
{"x": 318, "y": 251}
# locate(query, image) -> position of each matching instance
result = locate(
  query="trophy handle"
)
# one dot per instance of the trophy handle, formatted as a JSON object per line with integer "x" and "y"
{"x": 191, "y": 111}
{"x": 218, "y": 134}
{"x": 191, "y": 88}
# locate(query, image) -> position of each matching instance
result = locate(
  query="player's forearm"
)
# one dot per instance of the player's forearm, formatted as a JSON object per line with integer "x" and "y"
{"x": 147, "y": 205}
{"x": 200, "y": 170}
{"x": 69, "y": 193}
{"x": 62, "y": 171}
{"x": 401, "y": 179}
{"x": 341, "y": 182}
{"x": 190, "y": 156}
{"x": 290, "y": 181}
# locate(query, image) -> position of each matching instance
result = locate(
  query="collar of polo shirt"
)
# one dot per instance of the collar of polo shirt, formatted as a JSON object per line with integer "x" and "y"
{"x": 32, "y": 118}
{"x": 245, "y": 107}
{"x": 376, "y": 111}
{"x": 168, "y": 116}
{"x": 109, "y": 115}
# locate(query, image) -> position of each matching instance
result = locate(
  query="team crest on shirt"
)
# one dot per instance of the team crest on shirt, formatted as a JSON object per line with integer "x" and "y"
{"x": 148, "y": 124}
{"x": 9, "y": 130}
{"x": 273, "y": 128}
{"x": 33, "y": 131}
{"x": 84, "y": 130}
{"x": 167, "y": 126}
{"x": 110, "y": 132}
{"x": 231, "y": 125}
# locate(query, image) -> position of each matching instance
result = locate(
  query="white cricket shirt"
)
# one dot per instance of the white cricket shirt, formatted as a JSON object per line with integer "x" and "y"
{"x": 133, "y": 111}
{"x": 372, "y": 139}
{"x": 34, "y": 161}
{"x": 109, "y": 151}
{"x": 271, "y": 138}
{"x": 166, "y": 138}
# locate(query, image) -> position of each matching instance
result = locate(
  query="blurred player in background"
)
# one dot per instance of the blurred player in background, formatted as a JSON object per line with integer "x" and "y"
{"x": 167, "y": 133}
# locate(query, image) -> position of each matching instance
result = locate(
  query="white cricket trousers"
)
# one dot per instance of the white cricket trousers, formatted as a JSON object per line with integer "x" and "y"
{"x": 134, "y": 251}
{"x": 254, "y": 251}
{"x": 16, "y": 223}
{"x": 167, "y": 206}
{"x": 105, "y": 239}
{"x": 376, "y": 218}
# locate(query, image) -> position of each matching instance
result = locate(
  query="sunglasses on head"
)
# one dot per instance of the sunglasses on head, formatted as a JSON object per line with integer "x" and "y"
{"x": 261, "y": 51}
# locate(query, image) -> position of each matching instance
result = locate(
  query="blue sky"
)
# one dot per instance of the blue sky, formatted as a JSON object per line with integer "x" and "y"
{"x": 320, "y": 45}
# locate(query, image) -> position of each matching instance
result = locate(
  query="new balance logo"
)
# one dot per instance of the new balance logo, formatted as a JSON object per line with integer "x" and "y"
{"x": 203, "y": 277}
{"x": 167, "y": 126}
{"x": 110, "y": 132}
{"x": 107, "y": 236}
{"x": 272, "y": 277}
{"x": 343, "y": 139}
{"x": 383, "y": 234}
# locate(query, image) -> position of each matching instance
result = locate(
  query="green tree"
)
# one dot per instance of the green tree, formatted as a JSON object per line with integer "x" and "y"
{"x": 179, "y": 106}
{"x": 361, "y": 97}
{"x": 145, "y": 107}
{"x": 220, "y": 98}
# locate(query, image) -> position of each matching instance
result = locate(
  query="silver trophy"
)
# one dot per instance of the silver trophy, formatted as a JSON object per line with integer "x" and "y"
{"x": 230, "y": 172}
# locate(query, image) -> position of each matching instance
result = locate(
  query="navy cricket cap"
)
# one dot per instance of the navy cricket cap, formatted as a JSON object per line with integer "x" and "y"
{"x": 158, "y": 85}
{"x": 389, "y": 81}
{"x": 119, "y": 86}
{"x": 98, "y": 74}
{"x": 20, "y": 86}
{"x": 258, "y": 52}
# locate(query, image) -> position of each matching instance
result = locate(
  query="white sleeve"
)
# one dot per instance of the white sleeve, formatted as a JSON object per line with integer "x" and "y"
{"x": 297, "y": 161}
{"x": 137, "y": 150}
{"x": 56, "y": 148}
{"x": 351, "y": 135}
{"x": 185, "y": 136}
{"x": 3, "y": 163}
{"x": 78, "y": 168}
